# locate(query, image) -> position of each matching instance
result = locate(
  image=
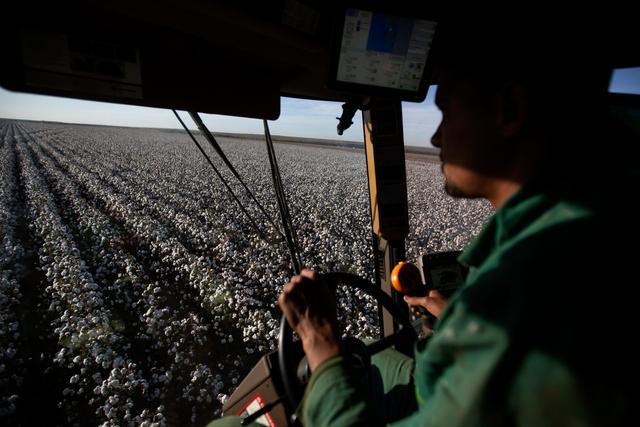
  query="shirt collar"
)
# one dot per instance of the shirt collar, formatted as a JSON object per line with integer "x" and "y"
{"x": 518, "y": 211}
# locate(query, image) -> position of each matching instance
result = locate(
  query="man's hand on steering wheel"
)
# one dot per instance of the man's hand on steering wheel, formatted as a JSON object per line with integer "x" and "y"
{"x": 308, "y": 304}
{"x": 310, "y": 308}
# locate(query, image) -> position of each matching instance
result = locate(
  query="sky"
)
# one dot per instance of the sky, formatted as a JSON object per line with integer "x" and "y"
{"x": 303, "y": 118}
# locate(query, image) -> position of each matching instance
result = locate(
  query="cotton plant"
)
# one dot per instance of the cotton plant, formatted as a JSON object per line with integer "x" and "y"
{"x": 161, "y": 294}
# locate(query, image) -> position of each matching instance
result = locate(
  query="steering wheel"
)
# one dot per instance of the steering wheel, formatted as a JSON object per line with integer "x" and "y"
{"x": 286, "y": 353}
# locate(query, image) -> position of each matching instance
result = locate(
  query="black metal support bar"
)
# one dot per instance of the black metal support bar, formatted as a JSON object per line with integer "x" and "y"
{"x": 214, "y": 144}
{"x": 224, "y": 181}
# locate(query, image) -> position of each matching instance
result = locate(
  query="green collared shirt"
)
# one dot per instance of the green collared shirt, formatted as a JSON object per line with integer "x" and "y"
{"x": 524, "y": 341}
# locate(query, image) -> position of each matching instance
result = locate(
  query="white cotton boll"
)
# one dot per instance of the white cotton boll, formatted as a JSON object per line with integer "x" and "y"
{"x": 118, "y": 362}
{"x": 112, "y": 413}
{"x": 222, "y": 270}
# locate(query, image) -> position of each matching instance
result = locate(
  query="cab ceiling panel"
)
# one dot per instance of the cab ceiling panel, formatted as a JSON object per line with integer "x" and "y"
{"x": 225, "y": 57}
{"x": 187, "y": 55}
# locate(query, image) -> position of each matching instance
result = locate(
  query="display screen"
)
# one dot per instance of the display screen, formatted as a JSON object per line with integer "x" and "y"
{"x": 446, "y": 277}
{"x": 384, "y": 50}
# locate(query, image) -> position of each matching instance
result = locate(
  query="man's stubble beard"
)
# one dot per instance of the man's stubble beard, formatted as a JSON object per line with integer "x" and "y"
{"x": 457, "y": 192}
{"x": 454, "y": 191}
{"x": 450, "y": 188}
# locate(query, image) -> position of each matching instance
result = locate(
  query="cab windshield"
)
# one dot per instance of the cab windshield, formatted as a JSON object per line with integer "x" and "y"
{"x": 135, "y": 287}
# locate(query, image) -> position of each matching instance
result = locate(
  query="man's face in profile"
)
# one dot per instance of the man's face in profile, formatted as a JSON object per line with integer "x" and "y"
{"x": 471, "y": 146}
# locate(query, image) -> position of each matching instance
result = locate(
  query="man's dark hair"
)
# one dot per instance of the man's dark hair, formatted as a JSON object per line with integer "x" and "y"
{"x": 553, "y": 57}
{"x": 565, "y": 62}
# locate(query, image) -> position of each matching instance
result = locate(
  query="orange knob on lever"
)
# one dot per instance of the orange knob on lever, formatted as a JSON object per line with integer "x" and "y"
{"x": 405, "y": 278}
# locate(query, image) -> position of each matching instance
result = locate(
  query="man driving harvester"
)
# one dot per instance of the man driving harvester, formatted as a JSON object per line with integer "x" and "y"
{"x": 537, "y": 334}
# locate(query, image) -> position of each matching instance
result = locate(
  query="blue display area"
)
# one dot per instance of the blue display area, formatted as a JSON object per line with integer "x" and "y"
{"x": 390, "y": 34}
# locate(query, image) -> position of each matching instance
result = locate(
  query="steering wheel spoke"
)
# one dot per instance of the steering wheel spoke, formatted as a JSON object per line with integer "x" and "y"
{"x": 391, "y": 340}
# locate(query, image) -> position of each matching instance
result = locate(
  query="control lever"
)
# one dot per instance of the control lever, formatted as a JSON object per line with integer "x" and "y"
{"x": 438, "y": 271}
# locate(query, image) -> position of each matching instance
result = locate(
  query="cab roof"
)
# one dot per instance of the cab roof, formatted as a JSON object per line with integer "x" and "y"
{"x": 225, "y": 57}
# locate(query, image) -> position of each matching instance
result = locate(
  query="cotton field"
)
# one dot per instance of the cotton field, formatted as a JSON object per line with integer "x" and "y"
{"x": 133, "y": 290}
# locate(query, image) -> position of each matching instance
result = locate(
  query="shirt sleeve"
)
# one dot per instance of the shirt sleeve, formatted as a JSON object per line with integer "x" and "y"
{"x": 455, "y": 372}
{"x": 336, "y": 396}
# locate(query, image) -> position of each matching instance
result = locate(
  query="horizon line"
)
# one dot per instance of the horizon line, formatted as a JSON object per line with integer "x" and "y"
{"x": 179, "y": 129}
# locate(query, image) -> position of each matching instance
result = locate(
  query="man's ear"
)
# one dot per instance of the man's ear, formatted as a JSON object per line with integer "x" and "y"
{"x": 512, "y": 108}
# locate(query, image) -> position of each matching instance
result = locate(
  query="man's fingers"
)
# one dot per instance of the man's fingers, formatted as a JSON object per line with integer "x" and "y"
{"x": 304, "y": 275}
{"x": 435, "y": 294}
{"x": 286, "y": 291}
{"x": 433, "y": 304}
{"x": 291, "y": 285}
{"x": 292, "y": 303}
{"x": 415, "y": 300}
{"x": 294, "y": 292}
{"x": 310, "y": 274}
{"x": 294, "y": 299}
